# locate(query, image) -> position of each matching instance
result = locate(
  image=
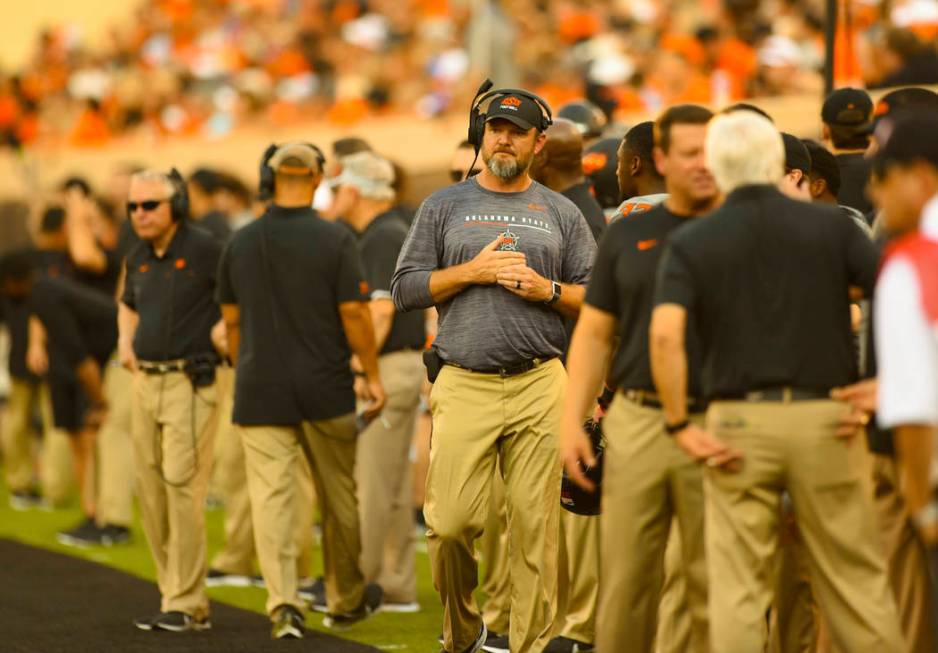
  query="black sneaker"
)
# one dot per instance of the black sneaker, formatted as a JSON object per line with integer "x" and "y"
{"x": 112, "y": 534}
{"x": 86, "y": 533}
{"x": 371, "y": 601}
{"x": 477, "y": 645}
{"x": 25, "y": 499}
{"x": 288, "y": 623}
{"x": 219, "y": 578}
{"x": 314, "y": 594}
{"x": 496, "y": 644}
{"x": 567, "y": 645}
{"x": 175, "y": 622}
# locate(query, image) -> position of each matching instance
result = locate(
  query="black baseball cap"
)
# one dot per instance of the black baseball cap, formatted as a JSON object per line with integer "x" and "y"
{"x": 901, "y": 99}
{"x": 911, "y": 135}
{"x": 848, "y": 107}
{"x": 518, "y": 109}
{"x": 599, "y": 165}
{"x": 589, "y": 118}
{"x": 797, "y": 156}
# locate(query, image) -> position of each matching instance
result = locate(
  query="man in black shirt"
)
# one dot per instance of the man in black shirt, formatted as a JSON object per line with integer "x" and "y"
{"x": 846, "y": 116}
{"x": 294, "y": 304}
{"x": 366, "y": 196}
{"x": 165, "y": 319}
{"x": 767, "y": 282}
{"x": 203, "y": 185}
{"x": 559, "y": 166}
{"x": 80, "y": 327}
{"x": 646, "y": 479}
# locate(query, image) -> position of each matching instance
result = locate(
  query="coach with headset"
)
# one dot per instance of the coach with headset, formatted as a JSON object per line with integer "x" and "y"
{"x": 165, "y": 319}
{"x": 504, "y": 259}
{"x": 295, "y": 306}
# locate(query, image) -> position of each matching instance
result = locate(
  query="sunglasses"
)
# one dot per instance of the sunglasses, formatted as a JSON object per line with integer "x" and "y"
{"x": 146, "y": 205}
{"x": 459, "y": 175}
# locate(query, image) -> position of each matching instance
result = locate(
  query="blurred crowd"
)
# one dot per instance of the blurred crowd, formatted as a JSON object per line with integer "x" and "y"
{"x": 204, "y": 67}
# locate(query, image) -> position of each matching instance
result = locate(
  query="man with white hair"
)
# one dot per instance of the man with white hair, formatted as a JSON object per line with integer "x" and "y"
{"x": 165, "y": 318}
{"x": 768, "y": 280}
{"x": 365, "y": 198}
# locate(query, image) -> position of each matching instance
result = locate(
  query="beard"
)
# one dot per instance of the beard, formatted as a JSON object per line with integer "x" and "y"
{"x": 508, "y": 168}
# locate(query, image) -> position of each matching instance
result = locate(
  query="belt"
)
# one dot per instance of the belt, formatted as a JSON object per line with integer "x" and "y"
{"x": 161, "y": 367}
{"x": 785, "y": 394}
{"x": 651, "y": 400}
{"x": 508, "y": 370}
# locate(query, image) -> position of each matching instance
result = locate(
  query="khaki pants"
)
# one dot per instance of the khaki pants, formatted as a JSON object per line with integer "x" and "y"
{"x": 479, "y": 419}
{"x": 382, "y": 473}
{"x": 56, "y": 472}
{"x": 493, "y": 546}
{"x": 795, "y": 622}
{"x": 115, "y": 465}
{"x": 272, "y": 455}
{"x": 17, "y": 435}
{"x": 907, "y": 559}
{"x": 647, "y": 480}
{"x": 793, "y": 446}
{"x": 231, "y": 483}
{"x": 578, "y": 584}
{"x": 674, "y": 622}
{"x": 172, "y": 432}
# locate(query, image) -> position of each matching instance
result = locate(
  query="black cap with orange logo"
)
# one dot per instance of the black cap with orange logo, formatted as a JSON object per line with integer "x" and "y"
{"x": 518, "y": 109}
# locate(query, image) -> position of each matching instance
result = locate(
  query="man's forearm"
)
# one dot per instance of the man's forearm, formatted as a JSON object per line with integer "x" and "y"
{"x": 88, "y": 373}
{"x": 586, "y": 364}
{"x": 669, "y": 371}
{"x": 360, "y": 335}
{"x": 447, "y": 283}
{"x": 233, "y": 334}
{"x": 571, "y": 300}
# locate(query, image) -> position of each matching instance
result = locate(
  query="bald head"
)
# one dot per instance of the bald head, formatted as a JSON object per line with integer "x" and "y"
{"x": 560, "y": 164}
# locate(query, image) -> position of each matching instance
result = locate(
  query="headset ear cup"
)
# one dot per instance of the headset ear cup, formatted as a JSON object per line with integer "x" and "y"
{"x": 179, "y": 203}
{"x": 265, "y": 186}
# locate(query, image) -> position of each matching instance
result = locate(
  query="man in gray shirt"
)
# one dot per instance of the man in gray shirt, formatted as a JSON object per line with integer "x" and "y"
{"x": 505, "y": 260}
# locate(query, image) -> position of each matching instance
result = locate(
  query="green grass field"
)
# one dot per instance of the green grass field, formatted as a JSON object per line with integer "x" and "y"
{"x": 414, "y": 633}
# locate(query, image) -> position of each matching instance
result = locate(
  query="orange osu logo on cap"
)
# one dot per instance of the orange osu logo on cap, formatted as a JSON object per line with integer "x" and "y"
{"x": 511, "y": 101}
{"x": 594, "y": 161}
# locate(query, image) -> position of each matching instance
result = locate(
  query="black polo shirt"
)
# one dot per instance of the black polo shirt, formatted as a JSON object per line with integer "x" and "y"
{"x": 380, "y": 244}
{"x": 174, "y": 295}
{"x": 623, "y": 285}
{"x": 766, "y": 277}
{"x": 216, "y": 223}
{"x": 79, "y": 321}
{"x": 582, "y": 195}
{"x": 288, "y": 272}
{"x": 49, "y": 263}
{"x": 854, "y": 175}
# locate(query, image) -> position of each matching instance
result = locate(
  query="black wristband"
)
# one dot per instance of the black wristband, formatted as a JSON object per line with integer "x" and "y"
{"x": 671, "y": 429}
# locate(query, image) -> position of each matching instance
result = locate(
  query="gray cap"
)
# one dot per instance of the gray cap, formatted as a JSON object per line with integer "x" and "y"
{"x": 371, "y": 174}
{"x": 302, "y": 152}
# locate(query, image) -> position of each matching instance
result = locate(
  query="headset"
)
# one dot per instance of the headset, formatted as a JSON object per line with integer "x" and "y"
{"x": 477, "y": 117}
{"x": 265, "y": 187}
{"x": 179, "y": 202}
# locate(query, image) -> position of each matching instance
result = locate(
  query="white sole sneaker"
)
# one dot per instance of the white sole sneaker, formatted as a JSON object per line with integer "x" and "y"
{"x": 400, "y": 608}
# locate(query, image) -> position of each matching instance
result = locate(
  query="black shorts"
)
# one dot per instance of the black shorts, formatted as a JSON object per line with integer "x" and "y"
{"x": 70, "y": 404}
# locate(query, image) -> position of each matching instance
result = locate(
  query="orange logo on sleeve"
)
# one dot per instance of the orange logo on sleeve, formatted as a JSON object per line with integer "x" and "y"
{"x": 180, "y": 263}
{"x": 143, "y": 268}
{"x": 363, "y": 287}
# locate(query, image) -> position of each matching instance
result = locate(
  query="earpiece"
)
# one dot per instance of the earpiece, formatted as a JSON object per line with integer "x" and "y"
{"x": 179, "y": 203}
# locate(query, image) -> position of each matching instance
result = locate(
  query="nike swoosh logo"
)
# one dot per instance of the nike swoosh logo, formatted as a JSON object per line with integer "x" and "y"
{"x": 646, "y": 244}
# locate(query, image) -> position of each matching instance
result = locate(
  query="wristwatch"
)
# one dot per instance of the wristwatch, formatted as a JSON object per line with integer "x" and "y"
{"x": 672, "y": 429}
{"x": 555, "y": 287}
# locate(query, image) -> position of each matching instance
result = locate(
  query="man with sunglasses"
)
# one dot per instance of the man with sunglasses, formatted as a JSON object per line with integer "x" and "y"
{"x": 505, "y": 260}
{"x": 165, "y": 318}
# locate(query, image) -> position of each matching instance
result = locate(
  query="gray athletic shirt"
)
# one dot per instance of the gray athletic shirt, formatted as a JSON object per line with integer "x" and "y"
{"x": 488, "y": 326}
